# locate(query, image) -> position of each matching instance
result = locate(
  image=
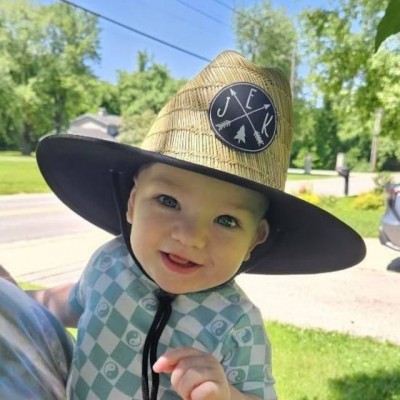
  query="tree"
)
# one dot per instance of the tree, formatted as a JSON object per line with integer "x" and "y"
{"x": 389, "y": 24}
{"x": 268, "y": 37}
{"x": 346, "y": 72}
{"x": 43, "y": 56}
{"x": 265, "y": 35}
{"x": 107, "y": 97}
{"x": 19, "y": 57}
{"x": 142, "y": 95}
{"x": 71, "y": 42}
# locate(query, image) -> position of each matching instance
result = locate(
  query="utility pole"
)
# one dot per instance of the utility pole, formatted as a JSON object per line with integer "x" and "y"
{"x": 293, "y": 71}
{"x": 375, "y": 139}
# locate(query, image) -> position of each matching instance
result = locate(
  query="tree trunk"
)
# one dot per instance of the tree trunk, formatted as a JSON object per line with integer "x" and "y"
{"x": 26, "y": 140}
{"x": 60, "y": 100}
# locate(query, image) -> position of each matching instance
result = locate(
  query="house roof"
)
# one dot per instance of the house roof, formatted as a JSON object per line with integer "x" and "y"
{"x": 104, "y": 120}
{"x": 97, "y": 133}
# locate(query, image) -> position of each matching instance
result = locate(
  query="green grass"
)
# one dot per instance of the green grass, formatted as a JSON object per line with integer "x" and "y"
{"x": 30, "y": 286}
{"x": 316, "y": 365}
{"x": 365, "y": 222}
{"x": 308, "y": 177}
{"x": 20, "y": 174}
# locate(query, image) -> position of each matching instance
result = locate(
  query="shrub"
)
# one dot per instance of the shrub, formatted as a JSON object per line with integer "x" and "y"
{"x": 310, "y": 198}
{"x": 381, "y": 180}
{"x": 305, "y": 193}
{"x": 369, "y": 201}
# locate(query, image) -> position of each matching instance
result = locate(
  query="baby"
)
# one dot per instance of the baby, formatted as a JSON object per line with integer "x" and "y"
{"x": 158, "y": 311}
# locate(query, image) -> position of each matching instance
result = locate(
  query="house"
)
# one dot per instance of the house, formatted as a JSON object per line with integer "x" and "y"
{"x": 101, "y": 125}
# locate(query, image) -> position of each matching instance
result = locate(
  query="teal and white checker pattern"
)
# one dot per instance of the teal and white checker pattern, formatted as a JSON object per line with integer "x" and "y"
{"x": 118, "y": 303}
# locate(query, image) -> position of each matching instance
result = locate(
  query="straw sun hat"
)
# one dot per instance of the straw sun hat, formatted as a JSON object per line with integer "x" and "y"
{"x": 233, "y": 122}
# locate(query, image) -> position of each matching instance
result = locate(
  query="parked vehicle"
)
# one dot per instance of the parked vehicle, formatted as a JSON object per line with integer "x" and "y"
{"x": 389, "y": 229}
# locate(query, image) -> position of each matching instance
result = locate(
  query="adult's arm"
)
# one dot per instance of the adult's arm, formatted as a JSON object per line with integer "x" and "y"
{"x": 56, "y": 300}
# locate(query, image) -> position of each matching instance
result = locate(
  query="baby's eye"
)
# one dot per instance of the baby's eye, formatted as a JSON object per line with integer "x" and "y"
{"x": 167, "y": 201}
{"x": 227, "y": 221}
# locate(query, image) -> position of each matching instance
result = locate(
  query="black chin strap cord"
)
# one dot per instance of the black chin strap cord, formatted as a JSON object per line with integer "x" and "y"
{"x": 150, "y": 346}
{"x": 165, "y": 300}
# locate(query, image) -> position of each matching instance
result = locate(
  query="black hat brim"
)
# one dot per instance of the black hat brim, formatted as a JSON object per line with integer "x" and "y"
{"x": 304, "y": 238}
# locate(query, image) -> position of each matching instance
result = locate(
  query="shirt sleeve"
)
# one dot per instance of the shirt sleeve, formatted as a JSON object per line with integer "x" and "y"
{"x": 35, "y": 349}
{"x": 97, "y": 267}
{"x": 79, "y": 292}
{"x": 247, "y": 357}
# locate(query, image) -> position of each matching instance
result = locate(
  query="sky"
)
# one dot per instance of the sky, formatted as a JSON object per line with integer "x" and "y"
{"x": 204, "y": 28}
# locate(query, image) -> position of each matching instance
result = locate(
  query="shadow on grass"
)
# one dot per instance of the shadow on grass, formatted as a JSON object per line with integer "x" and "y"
{"x": 382, "y": 385}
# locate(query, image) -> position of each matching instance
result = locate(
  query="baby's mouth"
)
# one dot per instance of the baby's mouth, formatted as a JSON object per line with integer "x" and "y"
{"x": 178, "y": 263}
{"x": 181, "y": 261}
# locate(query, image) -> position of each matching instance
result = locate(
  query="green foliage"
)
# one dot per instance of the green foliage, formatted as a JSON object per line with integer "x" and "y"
{"x": 345, "y": 71}
{"x": 45, "y": 79}
{"x": 304, "y": 129}
{"x": 266, "y": 35}
{"x": 108, "y": 98}
{"x": 305, "y": 193}
{"x": 314, "y": 364}
{"x": 321, "y": 140}
{"x": 382, "y": 180}
{"x": 142, "y": 95}
{"x": 135, "y": 127}
{"x": 369, "y": 201}
{"x": 362, "y": 212}
{"x": 389, "y": 24}
{"x": 364, "y": 221}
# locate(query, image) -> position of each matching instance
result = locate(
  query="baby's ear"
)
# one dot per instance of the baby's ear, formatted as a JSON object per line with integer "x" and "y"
{"x": 131, "y": 203}
{"x": 260, "y": 236}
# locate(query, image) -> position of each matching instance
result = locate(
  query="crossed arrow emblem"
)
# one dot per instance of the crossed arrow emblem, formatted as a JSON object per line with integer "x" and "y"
{"x": 241, "y": 108}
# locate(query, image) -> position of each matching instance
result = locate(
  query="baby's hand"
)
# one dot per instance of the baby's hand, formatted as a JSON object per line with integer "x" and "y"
{"x": 195, "y": 375}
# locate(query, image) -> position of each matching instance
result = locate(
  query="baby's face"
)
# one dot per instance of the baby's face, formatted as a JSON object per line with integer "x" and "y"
{"x": 191, "y": 232}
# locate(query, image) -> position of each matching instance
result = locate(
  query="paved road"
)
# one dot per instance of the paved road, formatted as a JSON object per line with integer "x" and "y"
{"x": 33, "y": 216}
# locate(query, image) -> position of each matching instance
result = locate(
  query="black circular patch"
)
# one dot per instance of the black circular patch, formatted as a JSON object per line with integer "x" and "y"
{"x": 243, "y": 116}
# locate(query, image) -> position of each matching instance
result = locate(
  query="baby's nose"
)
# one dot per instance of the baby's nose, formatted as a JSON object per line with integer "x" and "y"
{"x": 190, "y": 232}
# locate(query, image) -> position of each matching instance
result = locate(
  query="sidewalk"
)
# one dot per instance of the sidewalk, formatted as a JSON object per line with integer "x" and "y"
{"x": 335, "y": 185}
{"x": 364, "y": 300}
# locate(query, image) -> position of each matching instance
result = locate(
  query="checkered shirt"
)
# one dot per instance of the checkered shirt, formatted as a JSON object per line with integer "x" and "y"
{"x": 117, "y": 304}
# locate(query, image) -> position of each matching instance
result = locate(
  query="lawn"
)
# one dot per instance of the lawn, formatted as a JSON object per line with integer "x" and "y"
{"x": 20, "y": 174}
{"x": 316, "y": 365}
{"x": 364, "y": 221}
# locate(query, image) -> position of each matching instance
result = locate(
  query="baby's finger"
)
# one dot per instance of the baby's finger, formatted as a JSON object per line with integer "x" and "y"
{"x": 167, "y": 362}
{"x": 194, "y": 380}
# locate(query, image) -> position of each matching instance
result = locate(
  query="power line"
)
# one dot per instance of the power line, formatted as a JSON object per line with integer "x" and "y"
{"x": 120, "y": 24}
{"x": 202, "y": 13}
{"x": 237, "y": 11}
{"x": 221, "y": 3}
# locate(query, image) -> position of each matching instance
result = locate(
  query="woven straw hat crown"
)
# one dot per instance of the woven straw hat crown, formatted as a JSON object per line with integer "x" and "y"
{"x": 184, "y": 129}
